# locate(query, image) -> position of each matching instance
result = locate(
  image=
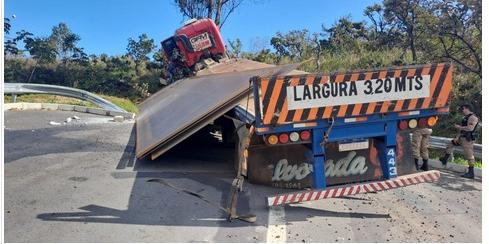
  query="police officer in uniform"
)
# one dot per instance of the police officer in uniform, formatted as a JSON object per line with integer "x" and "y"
{"x": 420, "y": 143}
{"x": 464, "y": 138}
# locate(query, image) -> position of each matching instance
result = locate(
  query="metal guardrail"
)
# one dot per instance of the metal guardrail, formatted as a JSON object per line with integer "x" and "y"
{"x": 24, "y": 88}
{"x": 437, "y": 142}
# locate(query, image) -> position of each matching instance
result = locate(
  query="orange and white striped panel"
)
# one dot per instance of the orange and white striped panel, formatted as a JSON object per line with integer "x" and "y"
{"x": 276, "y": 110}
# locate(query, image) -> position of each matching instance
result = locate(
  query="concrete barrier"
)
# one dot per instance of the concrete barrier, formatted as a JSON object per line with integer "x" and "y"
{"x": 98, "y": 111}
{"x": 81, "y": 109}
{"x": 12, "y": 106}
{"x": 50, "y": 106}
{"x": 66, "y": 107}
{"x": 31, "y": 106}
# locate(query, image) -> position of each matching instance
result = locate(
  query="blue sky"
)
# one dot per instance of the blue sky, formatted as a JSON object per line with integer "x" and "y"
{"x": 105, "y": 25}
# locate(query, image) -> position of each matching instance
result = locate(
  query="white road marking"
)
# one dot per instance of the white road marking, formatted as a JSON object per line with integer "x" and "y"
{"x": 276, "y": 231}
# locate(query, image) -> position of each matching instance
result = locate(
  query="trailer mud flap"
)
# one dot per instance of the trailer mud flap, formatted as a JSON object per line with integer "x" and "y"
{"x": 290, "y": 166}
{"x": 353, "y": 189}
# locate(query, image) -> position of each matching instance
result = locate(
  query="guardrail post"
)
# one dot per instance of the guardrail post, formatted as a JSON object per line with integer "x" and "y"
{"x": 14, "y": 98}
{"x": 319, "y": 176}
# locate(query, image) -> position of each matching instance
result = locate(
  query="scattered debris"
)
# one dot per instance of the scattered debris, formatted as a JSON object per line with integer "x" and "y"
{"x": 67, "y": 120}
{"x": 118, "y": 118}
{"x": 74, "y": 117}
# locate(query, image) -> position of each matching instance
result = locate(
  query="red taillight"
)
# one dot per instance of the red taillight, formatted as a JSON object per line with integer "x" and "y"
{"x": 305, "y": 135}
{"x": 403, "y": 125}
{"x": 283, "y": 138}
{"x": 422, "y": 122}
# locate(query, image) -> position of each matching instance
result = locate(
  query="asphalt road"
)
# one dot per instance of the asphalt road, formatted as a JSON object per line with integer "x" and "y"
{"x": 79, "y": 182}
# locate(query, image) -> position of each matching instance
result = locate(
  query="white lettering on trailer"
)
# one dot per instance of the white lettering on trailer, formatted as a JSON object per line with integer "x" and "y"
{"x": 361, "y": 91}
{"x": 349, "y": 165}
{"x": 285, "y": 172}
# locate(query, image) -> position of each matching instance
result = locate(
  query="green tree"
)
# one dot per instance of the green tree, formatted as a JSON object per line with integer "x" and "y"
{"x": 235, "y": 47}
{"x": 10, "y": 45}
{"x": 71, "y": 56}
{"x": 345, "y": 34}
{"x": 459, "y": 30}
{"x": 141, "y": 48}
{"x": 293, "y": 45}
{"x": 381, "y": 33}
{"x": 218, "y": 10}
{"x": 263, "y": 56}
{"x": 404, "y": 15}
{"x": 65, "y": 42}
{"x": 6, "y": 25}
{"x": 42, "y": 50}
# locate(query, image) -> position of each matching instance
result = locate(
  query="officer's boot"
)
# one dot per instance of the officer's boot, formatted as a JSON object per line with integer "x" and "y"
{"x": 424, "y": 167}
{"x": 416, "y": 163}
{"x": 470, "y": 173}
{"x": 444, "y": 159}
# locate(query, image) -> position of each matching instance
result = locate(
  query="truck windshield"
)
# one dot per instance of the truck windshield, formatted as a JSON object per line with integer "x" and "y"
{"x": 168, "y": 46}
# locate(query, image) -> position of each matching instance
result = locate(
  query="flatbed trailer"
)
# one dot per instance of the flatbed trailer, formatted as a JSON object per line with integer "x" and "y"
{"x": 326, "y": 135}
{"x": 344, "y": 131}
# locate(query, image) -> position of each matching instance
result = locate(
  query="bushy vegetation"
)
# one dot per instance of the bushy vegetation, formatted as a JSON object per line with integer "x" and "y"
{"x": 395, "y": 33}
{"x": 58, "y": 60}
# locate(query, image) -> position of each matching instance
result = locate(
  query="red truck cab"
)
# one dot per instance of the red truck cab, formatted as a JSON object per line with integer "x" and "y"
{"x": 197, "y": 39}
